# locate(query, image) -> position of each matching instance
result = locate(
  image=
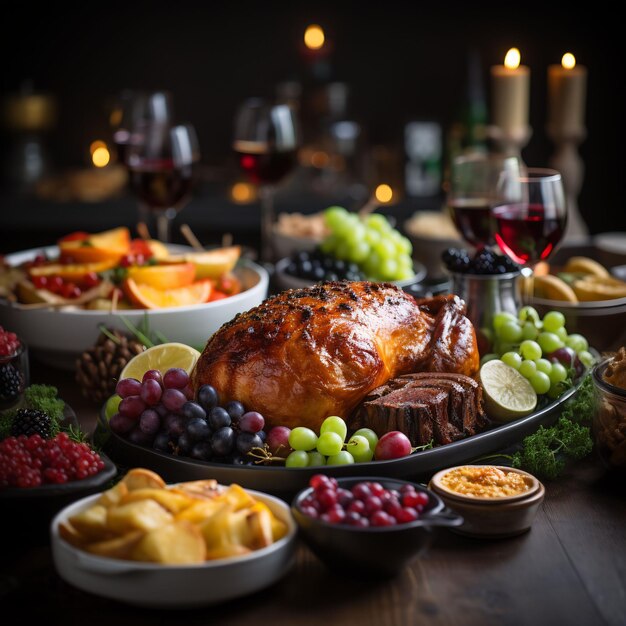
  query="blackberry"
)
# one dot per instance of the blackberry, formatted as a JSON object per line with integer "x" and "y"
{"x": 11, "y": 383}
{"x": 30, "y": 422}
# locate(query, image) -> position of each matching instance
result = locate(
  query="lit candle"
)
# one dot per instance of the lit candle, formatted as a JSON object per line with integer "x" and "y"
{"x": 567, "y": 84}
{"x": 510, "y": 90}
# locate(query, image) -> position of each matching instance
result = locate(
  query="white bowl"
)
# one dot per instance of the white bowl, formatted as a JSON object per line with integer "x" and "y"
{"x": 58, "y": 337}
{"x": 287, "y": 281}
{"x": 285, "y": 245}
{"x": 168, "y": 586}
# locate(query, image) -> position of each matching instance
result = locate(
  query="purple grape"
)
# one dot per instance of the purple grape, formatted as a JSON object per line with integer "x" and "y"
{"x": 247, "y": 441}
{"x": 565, "y": 356}
{"x": 201, "y": 451}
{"x": 262, "y": 435}
{"x": 184, "y": 444}
{"x": 150, "y": 422}
{"x": 162, "y": 442}
{"x": 251, "y": 422}
{"x": 132, "y": 406}
{"x": 235, "y": 409}
{"x": 218, "y": 418}
{"x": 121, "y": 424}
{"x": 208, "y": 397}
{"x": 223, "y": 441}
{"x": 278, "y": 441}
{"x": 151, "y": 392}
{"x": 192, "y": 409}
{"x": 198, "y": 429}
{"x": 188, "y": 391}
{"x": 128, "y": 387}
{"x": 153, "y": 375}
{"x": 140, "y": 438}
{"x": 161, "y": 409}
{"x": 175, "y": 378}
{"x": 173, "y": 399}
{"x": 174, "y": 424}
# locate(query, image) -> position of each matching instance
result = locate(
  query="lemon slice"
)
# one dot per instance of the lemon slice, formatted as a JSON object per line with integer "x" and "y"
{"x": 161, "y": 357}
{"x": 508, "y": 395}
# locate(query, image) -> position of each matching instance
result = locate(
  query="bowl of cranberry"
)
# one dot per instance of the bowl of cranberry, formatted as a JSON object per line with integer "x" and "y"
{"x": 370, "y": 527}
{"x": 39, "y": 476}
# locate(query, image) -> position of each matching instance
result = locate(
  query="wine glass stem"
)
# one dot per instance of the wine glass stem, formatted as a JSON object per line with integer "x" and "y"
{"x": 164, "y": 225}
{"x": 267, "y": 222}
{"x": 528, "y": 289}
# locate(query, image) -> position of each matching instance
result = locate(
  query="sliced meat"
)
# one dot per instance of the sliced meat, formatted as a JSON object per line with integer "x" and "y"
{"x": 427, "y": 406}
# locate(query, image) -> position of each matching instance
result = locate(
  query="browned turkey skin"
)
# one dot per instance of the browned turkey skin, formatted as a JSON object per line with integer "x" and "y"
{"x": 305, "y": 354}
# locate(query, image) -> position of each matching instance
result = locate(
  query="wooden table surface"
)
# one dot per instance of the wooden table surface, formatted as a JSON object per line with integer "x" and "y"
{"x": 569, "y": 569}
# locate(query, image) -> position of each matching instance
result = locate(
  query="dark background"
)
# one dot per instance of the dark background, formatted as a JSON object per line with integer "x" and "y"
{"x": 402, "y": 61}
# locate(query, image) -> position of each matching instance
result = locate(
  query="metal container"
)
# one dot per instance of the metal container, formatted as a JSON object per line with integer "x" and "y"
{"x": 485, "y": 295}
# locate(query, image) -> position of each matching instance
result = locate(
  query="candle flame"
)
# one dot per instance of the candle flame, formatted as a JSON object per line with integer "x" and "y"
{"x": 314, "y": 37}
{"x": 568, "y": 61}
{"x": 512, "y": 59}
{"x": 243, "y": 193}
{"x": 383, "y": 193}
{"x": 100, "y": 155}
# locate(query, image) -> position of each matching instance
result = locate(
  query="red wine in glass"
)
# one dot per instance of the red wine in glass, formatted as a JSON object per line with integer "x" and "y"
{"x": 473, "y": 219}
{"x": 159, "y": 184}
{"x": 528, "y": 232}
{"x": 262, "y": 164}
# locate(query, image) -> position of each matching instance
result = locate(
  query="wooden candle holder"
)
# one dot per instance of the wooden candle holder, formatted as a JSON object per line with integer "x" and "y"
{"x": 510, "y": 143}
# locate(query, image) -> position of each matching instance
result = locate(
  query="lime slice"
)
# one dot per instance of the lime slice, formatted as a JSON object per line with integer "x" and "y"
{"x": 110, "y": 408}
{"x": 161, "y": 357}
{"x": 508, "y": 395}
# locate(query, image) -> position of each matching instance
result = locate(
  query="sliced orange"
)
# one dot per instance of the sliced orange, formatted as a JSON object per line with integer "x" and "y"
{"x": 108, "y": 245}
{"x": 212, "y": 263}
{"x": 170, "y": 276}
{"x": 72, "y": 272}
{"x": 148, "y": 297}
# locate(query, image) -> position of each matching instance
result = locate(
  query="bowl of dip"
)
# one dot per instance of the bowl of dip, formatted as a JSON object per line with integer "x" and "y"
{"x": 494, "y": 500}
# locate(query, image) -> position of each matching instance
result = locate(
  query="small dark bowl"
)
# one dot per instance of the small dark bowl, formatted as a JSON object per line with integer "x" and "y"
{"x": 29, "y": 511}
{"x": 379, "y": 552}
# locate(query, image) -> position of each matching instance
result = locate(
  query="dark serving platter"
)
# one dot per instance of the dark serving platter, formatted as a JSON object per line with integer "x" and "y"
{"x": 285, "y": 482}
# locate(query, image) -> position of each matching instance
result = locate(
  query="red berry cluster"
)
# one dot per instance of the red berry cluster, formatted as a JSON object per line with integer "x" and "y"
{"x": 9, "y": 342}
{"x": 366, "y": 504}
{"x": 34, "y": 461}
{"x": 66, "y": 289}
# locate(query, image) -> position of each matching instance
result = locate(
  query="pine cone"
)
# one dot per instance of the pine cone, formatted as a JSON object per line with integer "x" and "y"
{"x": 98, "y": 369}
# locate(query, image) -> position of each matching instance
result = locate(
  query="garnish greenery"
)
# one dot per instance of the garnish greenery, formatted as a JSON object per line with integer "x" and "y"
{"x": 39, "y": 397}
{"x": 547, "y": 452}
{"x": 142, "y": 332}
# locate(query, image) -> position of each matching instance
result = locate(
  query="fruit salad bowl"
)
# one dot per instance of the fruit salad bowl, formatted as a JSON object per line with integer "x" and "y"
{"x": 57, "y": 336}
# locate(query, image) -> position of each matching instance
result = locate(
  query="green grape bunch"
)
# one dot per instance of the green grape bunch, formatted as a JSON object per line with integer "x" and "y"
{"x": 330, "y": 446}
{"x": 381, "y": 251}
{"x": 541, "y": 349}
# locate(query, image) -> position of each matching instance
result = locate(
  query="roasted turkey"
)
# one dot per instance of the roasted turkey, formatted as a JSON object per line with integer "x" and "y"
{"x": 305, "y": 354}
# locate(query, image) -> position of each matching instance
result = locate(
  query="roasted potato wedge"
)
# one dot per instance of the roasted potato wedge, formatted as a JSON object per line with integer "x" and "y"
{"x": 140, "y": 478}
{"x": 141, "y": 515}
{"x": 177, "y": 543}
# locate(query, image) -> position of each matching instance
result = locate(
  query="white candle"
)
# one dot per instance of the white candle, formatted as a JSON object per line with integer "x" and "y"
{"x": 510, "y": 90}
{"x": 567, "y": 86}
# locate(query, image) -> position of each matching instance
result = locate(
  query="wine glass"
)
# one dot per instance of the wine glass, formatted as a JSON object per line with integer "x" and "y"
{"x": 266, "y": 139}
{"x": 134, "y": 109}
{"x": 530, "y": 217}
{"x": 472, "y": 192}
{"x": 160, "y": 162}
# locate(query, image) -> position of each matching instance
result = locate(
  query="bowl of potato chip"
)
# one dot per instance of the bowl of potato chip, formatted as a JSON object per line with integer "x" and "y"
{"x": 146, "y": 543}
